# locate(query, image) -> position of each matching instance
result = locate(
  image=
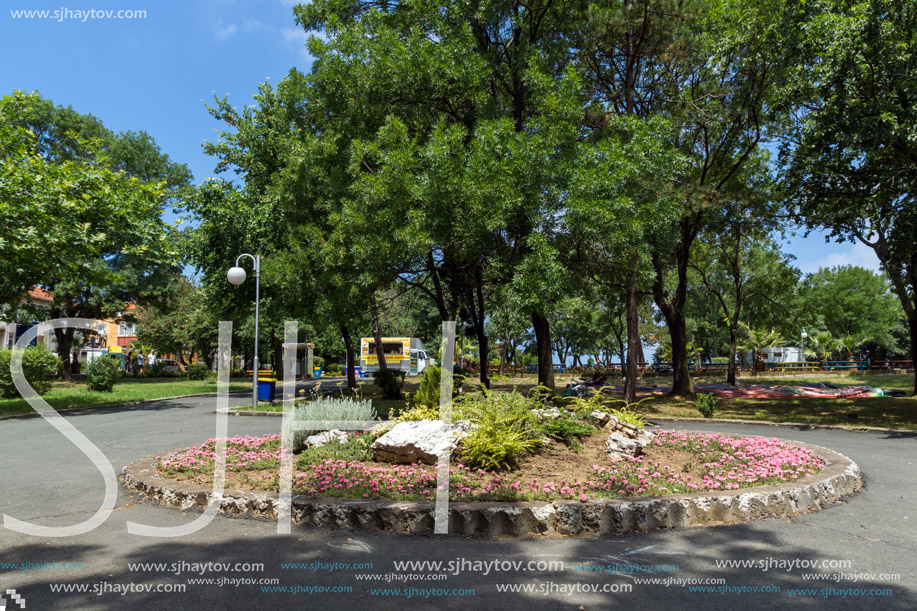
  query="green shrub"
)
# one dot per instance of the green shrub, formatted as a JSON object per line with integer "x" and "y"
{"x": 418, "y": 412}
{"x": 630, "y": 417}
{"x": 567, "y": 430}
{"x": 318, "y": 361}
{"x": 390, "y": 381}
{"x": 102, "y": 373}
{"x": 541, "y": 394}
{"x": 327, "y": 409}
{"x": 38, "y": 364}
{"x": 427, "y": 394}
{"x": 626, "y": 413}
{"x": 335, "y": 369}
{"x": 705, "y": 404}
{"x": 504, "y": 428}
{"x": 197, "y": 371}
{"x": 158, "y": 370}
{"x": 239, "y": 373}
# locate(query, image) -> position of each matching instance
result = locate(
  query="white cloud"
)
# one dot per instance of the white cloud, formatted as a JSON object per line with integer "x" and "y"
{"x": 296, "y": 39}
{"x": 254, "y": 25}
{"x": 857, "y": 254}
{"x": 223, "y": 33}
{"x": 295, "y": 35}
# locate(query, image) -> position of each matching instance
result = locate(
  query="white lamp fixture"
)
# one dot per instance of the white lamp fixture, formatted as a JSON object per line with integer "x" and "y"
{"x": 236, "y": 275}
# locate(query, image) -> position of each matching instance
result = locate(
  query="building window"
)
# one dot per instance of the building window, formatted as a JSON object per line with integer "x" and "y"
{"x": 127, "y": 328}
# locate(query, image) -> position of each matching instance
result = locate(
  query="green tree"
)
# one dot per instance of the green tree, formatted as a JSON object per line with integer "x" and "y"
{"x": 849, "y": 164}
{"x": 80, "y": 223}
{"x": 755, "y": 341}
{"x": 454, "y": 154}
{"x": 739, "y": 264}
{"x": 183, "y": 323}
{"x": 851, "y": 301}
{"x": 821, "y": 346}
{"x": 710, "y": 68}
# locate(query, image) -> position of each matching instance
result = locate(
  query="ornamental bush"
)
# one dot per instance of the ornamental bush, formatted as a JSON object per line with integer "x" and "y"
{"x": 427, "y": 394}
{"x": 503, "y": 428}
{"x": 328, "y": 410}
{"x": 390, "y": 381}
{"x": 568, "y": 430}
{"x": 705, "y": 404}
{"x": 39, "y": 366}
{"x": 197, "y": 371}
{"x": 102, "y": 373}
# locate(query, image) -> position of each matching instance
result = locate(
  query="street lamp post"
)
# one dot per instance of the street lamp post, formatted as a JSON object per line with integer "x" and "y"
{"x": 802, "y": 344}
{"x": 236, "y": 275}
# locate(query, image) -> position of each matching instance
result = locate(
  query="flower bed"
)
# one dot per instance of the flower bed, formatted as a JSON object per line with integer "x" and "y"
{"x": 675, "y": 462}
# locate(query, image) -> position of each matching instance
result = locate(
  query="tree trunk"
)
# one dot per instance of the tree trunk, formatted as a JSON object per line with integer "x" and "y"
{"x": 64, "y": 344}
{"x": 438, "y": 288}
{"x": 633, "y": 335}
{"x": 377, "y": 334}
{"x": 682, "y": 385}
{"x": 277, "y": 348}
{"x": 733, "y": 340}
{"x": 543, "y": 343}
{"x": 477, "y": 317}
{"x": 912, "y": 325}
{"x": 348, "y": 344}
{"x": 503, "y": 350}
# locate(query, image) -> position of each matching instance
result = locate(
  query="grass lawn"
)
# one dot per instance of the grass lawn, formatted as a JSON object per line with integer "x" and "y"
{"x": 74, "y": 394}
{"x": 890, "y": 412}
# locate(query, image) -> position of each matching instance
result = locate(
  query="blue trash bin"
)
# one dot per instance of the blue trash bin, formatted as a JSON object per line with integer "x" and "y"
{"x": 266, "y": 389}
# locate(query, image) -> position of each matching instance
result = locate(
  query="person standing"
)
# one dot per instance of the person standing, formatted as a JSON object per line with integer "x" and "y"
{"x": 151, "y": 359}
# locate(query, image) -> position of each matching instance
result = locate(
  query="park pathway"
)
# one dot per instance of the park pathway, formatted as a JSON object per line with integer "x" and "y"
{"x": 44, "y": 479}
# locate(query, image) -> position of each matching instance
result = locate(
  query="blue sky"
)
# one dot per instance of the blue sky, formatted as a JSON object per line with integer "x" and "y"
{"x": 156, "y": 73}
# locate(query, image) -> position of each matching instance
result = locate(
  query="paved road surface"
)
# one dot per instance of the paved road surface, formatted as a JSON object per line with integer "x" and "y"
{"x": 46, "y": 480}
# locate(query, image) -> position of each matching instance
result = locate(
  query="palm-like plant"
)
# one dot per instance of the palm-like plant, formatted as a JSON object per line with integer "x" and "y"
{"x": 756, "y": 340}
{"x": 664, "y": 352}
{"x": 852, "y": 344}
{"x": 823, "y": 345}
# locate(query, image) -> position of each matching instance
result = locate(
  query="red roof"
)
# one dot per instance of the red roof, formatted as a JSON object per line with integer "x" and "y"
{"x": 40, "y": 293}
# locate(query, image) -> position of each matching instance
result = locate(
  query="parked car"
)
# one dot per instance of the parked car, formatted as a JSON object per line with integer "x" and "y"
{"x": 168, "y": 364}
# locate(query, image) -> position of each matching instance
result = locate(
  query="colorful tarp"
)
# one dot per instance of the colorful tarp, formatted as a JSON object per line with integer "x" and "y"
{"x": 760, "y": 391}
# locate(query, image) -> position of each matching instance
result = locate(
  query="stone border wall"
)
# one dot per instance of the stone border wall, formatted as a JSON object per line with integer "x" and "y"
{"x": 839, "y": 478}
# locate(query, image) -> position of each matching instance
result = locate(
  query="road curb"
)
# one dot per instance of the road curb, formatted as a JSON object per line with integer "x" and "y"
{"x": 80, "y": 410}
{"x": 251, "y": 413}
{"x": 806, "y": 425}
{"x": 839, "y": 478}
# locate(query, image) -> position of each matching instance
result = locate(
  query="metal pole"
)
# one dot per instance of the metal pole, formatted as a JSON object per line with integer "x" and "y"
{"x": 257, "y": 259}
{"x": 802, "y": 346}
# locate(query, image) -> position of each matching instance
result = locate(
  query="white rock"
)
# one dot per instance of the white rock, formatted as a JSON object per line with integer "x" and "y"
{"x": 624, "y": 446}
{"x": 419, "y": 442}
{"x": 317, "y": 441}
{"x": 601, "y": 416}
{"x": 550, "y": 413}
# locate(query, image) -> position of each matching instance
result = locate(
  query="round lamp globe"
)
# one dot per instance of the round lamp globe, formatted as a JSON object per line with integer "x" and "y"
{"x": 235, "y": 275}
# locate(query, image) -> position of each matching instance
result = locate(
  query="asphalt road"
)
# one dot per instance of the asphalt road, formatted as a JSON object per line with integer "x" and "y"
{"x": 866, "y": 544}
